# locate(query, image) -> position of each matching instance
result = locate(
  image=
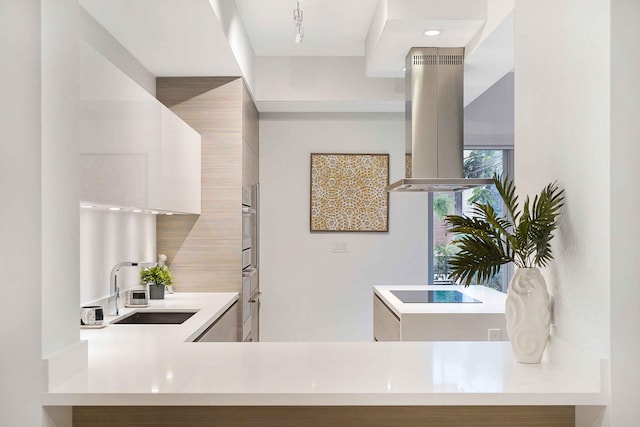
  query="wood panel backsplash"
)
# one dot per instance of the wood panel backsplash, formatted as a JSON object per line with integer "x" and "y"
{"x": 204, "y": 252}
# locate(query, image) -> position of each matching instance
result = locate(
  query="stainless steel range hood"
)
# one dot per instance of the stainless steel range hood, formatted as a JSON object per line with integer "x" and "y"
{"x": 434, "y": 121}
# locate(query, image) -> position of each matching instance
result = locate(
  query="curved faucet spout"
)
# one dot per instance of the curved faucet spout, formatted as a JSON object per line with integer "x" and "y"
{"x": 114, "y": 297}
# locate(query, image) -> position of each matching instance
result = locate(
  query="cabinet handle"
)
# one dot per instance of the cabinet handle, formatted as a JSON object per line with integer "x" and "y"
{"x": 255, "y": 298}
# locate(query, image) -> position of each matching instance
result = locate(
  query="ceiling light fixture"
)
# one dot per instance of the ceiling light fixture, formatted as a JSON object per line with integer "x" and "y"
{"x": 431, "y": 32}
{"x": 297, "y": 20}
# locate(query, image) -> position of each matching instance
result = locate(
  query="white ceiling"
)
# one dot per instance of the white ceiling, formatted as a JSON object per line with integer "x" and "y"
{"x": 331, "y": 27}
{"x": 169, "y": 37}
{"x": 192, "y": 38}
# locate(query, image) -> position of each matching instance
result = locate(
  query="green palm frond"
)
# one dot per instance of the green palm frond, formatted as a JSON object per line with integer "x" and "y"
{"x": 486, "y": 240}
{"x": 507, "y": 190}
{"x": 477, "y": 257}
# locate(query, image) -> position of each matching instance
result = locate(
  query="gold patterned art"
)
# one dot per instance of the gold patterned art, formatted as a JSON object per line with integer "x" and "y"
{"x": 348, "y": 192}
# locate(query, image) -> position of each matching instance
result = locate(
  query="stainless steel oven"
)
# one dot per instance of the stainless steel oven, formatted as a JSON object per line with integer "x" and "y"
{"x": 250, "y": 292}
{"x": 248, "y": 275}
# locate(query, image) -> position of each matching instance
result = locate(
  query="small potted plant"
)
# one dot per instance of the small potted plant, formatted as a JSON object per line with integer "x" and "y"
{"x": 156, "y": 277}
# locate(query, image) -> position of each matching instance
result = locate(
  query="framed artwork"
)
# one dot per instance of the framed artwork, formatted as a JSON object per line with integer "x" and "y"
{"x": 348, "y": 192}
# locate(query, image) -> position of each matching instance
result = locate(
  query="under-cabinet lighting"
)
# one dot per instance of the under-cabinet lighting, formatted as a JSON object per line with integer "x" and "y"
{"x": 137, "y": 210}
{"x": 169, "y": 213}
{"x": 155, "y": 212}
{"x": 431, "y": 32}
{"x": 86, "y": 206}
{"x": 114, "y": 209}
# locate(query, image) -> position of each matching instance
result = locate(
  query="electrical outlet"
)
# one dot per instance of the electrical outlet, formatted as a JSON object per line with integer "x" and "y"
{"x": 495, "y": 334}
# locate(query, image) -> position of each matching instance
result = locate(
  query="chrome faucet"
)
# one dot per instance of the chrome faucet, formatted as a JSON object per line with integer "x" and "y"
{"x": 114, "y": 297}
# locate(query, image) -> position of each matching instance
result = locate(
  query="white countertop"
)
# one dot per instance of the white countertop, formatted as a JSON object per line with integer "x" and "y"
{"x": 492, "y": 300}
{"x": 154, "y": 365}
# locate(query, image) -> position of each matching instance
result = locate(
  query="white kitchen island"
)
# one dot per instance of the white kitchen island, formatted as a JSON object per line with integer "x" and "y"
{"x": 395, "y": 320}
{"x": 155, "y": 370}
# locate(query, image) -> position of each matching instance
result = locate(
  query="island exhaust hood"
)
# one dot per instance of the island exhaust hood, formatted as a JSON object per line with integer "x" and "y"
{"x": 434, "y": 115}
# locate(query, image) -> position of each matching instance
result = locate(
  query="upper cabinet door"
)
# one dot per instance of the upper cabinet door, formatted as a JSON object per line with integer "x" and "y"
{"x": 135, "y": 152}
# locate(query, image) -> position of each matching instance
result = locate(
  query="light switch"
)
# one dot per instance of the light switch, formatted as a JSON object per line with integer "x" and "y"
{"x": 339, "y": 247}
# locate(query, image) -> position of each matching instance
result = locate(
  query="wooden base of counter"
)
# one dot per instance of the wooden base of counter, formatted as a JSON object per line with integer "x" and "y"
{"x": 331, "y": 416}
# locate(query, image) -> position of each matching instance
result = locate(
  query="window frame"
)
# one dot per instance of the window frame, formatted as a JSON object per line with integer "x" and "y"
{"x": 507, "y": 168}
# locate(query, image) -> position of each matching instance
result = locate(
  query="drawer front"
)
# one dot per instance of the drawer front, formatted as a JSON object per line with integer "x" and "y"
{"x": 224, "y": 329}
{"x": 386, "y": 326}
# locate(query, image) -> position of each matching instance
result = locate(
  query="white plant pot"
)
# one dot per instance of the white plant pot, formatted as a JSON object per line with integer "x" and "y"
{"x": 528, "y": 315}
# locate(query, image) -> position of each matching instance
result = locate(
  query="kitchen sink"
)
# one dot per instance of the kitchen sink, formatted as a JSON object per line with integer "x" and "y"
{"x": 155, "y": 318}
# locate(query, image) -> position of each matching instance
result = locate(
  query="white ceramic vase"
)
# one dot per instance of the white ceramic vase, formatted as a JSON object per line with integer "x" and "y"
{"x": 528, "y": 315}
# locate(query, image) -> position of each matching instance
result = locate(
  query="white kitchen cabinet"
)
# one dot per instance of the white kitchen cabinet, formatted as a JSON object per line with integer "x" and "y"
{"x": 135, "y": 152}
{"x": 224, "y": 329}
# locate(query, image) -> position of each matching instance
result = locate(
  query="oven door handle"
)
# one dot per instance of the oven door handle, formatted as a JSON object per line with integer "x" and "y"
{"x": 255, "y": 297}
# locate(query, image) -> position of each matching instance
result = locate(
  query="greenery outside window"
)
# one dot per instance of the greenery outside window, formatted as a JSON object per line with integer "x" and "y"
{"x": 478, "y": 163}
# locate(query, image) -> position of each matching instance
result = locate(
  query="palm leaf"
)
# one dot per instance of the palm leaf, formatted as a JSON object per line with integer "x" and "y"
{"x": 507, "y": 190}
{"x": 477, "y": 257}
{"x": 487, "y": 240}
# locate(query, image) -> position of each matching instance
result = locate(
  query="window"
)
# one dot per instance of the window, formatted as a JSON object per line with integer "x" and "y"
{"x": 481, "y": 163}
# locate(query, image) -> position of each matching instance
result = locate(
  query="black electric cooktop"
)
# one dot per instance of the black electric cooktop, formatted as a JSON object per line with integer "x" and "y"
{"x": 433, "y": 297}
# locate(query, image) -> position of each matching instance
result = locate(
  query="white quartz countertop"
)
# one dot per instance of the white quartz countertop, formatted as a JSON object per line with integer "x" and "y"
{"x": 156, "y": 365}
{"x": 492, "y": 300}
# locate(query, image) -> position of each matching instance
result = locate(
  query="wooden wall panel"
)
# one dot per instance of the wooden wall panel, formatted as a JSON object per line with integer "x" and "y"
{"x": 330, "y": 416}
{"x": 250, "y": 140}
{"x": 204, "y": 252}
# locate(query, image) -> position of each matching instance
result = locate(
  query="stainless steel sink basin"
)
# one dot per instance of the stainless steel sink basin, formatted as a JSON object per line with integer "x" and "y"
{"x": 154, "y": 318}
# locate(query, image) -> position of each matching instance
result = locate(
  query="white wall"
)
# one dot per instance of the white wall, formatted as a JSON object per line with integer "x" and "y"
{"x": 307, "y": 83}
{"x": 102, "y": 41}
{"x": 309, "y": 293}
{"x": 107, "y": 238}
{"x": 60, "y": 171}
{"x": 488, "y": 120}
{"x": 39, "y": 260}
{"x": 239, "y": 42}
{"x": 625, "y": 205}
{"x": 20, "y": 226}
{"x": 562, "y": 132}
{"x": 40, "y": 193}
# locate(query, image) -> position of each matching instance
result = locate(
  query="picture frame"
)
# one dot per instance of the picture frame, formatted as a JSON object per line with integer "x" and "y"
{"x": 348, "y": 192}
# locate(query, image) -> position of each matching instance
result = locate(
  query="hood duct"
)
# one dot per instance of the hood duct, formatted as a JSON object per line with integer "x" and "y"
{"x": 434, "y": 121}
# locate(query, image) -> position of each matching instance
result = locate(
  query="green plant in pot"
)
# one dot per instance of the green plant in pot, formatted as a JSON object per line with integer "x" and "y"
{"x": 487, "y": 240}
{"x": 156, "y": 277}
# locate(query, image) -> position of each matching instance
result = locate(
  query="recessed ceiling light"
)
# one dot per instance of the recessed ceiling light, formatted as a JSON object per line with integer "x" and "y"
{"x": 404, "y": 68}
{"x": 114, "y": 209}
{"x": 431, "y": 32}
